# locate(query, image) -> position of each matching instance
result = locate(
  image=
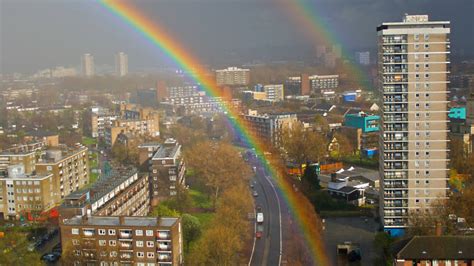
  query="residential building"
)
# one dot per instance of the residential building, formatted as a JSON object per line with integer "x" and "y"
{"x": 100, "y": 118}
{"x": 26, "y": 158}
{"x": 457, "y": 112}
{"x": 119, "y": 240}
{"x": 320, "y": 82}
{"x": 363, "y": 131}
{"x": 363, "y": 58}
{"x": 413, "y": 60}
{"x": 87, "y": 65}
{"x": 233, "y": 76}
{"x": 122, "y": 192}
{"x": 22, "y": 194}
{"x": 70, "y": 169}
{"x": 121, "y": 64}
{"x": 167, "y": 170}
{"x": 274, "y": 92}
{"x": 435, "y": 250}
{"x": 269, "y": 127}
{"x": 297, "y": 85}
{"x": 366, "y": 122}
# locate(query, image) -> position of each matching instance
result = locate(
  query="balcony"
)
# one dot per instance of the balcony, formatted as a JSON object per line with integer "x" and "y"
{"x": 164, "y": 257}
{"x": 395, "y": 127}
{"x": 395, "y": 49}
{"x": 395, "y": 175}
{"x": 163, "y": 247}
{"x": 88, "y": 232}
{"x": 126, "y": 255}
{"x": 394, "y": 40}
{"x": 396, "y": 165}
{"x": 125, "y": 234}
{"x": 163, "y": 235}
{"x": 395, "y": 204}
{"x": 389, "y": 195}
{"x": 395, "y": 213}
{"x": 395, "y": 157}
{"x": 126, "y": 245}
{"x": 395, "y": 185}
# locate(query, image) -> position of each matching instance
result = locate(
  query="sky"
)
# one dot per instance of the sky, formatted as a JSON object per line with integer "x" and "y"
{"x": 37, "y": 34}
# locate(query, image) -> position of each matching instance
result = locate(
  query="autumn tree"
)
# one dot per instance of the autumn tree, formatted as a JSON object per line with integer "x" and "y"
{"x": 217, "y": 165}
{"x": 302, "y": 145}
{"x": 15, "y": 250}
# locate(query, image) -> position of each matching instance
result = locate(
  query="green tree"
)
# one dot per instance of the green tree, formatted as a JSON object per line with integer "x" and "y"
{"x": 192, "y": 229}
{"x": 163, "y": 211}
{"x": 383, "y": 243}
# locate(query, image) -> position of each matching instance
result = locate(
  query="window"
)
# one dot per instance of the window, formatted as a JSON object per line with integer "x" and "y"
{"x": 111, "y": 232}
{"x": 75, "y": 231}
{"x": 417, "y": 95}
{"x": 102, "y": 242}
{"x": 427, "y": 106}
{"x": 427, "y": 46}
{"x": 140, "y": 254}
{"x": 427, "y": 85}
{"x": 150, "y": 255}
{"x": 77, "y": 252}
{"x": 139, "y": 232}
{"x": 75, "y": 242}
{"x": 427, "y": 173}
{"x": 427, "y": 75}
{"x": 416, "y": 36}
{"x": 149, "y": 232}
{"x": 427, "y": 95}
{"x": 416, "y": 46}
{"x": 139, "y": 244}
{"x": 427, "y": 56}
{"x": 427, "y": 37}
{"x": 150, "y": 244}
{"x": 112, "y": 243}
{"x": 102, "y": 232}
{"x": 113, "y": 254}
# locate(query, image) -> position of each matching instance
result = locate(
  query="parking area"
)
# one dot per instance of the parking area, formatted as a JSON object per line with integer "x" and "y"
{"x": 359, "y": 230}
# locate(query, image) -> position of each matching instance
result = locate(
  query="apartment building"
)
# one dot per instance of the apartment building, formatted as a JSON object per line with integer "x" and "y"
{"x": 119, "y": 240}
{"x": 123, "y": 192}
{"x": 166, "y": 167}
{"x": 233, "y": 76}
{"x": 268, "y": 127}
{"x": 22, "y": 194}
{"x": 101, "y": 118}
{"x": 70, "y": 169}
{"x": 121, "y": 64}
{"x": 27, "y": 158}
{"x": 321, "y": 82}
{"x": 413, "y": 67}
{"x": 297, "y": 85}
{"x": 87, "y": 65}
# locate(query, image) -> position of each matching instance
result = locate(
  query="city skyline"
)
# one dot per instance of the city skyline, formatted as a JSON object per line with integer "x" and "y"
{"x": 265, "y": 22}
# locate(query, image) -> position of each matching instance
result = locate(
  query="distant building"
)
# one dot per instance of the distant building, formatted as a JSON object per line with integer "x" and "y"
{"x": 363, "y": 58}
{"x": 87, "y": 65}
{"x": 457, "y": 112}
{"x": 274, "y": 93}
{"x": 320, "y": 82}
{"x": 366, "y": 122}
{"x": 86, "y": 240}
{"x": 269, "y": 127}
{"x": 351, "y": 191}
{"x": 297, "y": 85}
{"x": 100, "y": 118}
{"x": 121, "y": 64}
{"x": 233, "y": 76}
{"x": 167, "y": 169}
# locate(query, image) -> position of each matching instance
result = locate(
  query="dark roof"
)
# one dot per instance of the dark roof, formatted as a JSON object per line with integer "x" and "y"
{"x": 438, "y": 247}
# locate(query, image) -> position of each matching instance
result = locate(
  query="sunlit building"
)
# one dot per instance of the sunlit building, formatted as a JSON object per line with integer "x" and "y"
{"x": 121, "y": 64}
{"x": 413, "y": 60}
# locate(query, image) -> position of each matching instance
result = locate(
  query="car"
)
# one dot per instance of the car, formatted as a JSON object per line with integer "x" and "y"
{"x": 258, "y": 234}
{"x": 50, "y": 257}
{"x": 255, "y": 194}
{"x": 260, "y": 217}
{"x": 259, "y": 208}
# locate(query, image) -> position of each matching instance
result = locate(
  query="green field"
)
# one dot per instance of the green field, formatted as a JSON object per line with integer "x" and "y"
{"x": 87, "y": 141}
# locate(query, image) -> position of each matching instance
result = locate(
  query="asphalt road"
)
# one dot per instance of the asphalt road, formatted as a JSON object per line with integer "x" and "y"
{"x": 267, "y": 248}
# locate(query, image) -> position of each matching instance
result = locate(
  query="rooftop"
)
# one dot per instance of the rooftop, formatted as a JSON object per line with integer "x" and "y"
{"x": 127, "y": 221}
{"x": 438, "y": 247}
{"x": 170, "y": 149}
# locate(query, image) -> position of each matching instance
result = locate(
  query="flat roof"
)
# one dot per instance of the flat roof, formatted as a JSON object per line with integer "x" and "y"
{"x": 127, "y": 221}
{"x": 166, "y": 152}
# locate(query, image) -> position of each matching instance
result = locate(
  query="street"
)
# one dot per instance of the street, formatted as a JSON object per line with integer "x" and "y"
{"x": 267, "y": 248}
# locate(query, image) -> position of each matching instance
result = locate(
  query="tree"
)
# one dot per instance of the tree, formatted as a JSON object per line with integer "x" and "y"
{"x": 302, "y": 145}
{"x": 218, "y": 165}
{"x": 310, "y": 180}
{"x": 15, "y": 250}
{"x": 382, "y": 243}
{"x": 321, "y": 123}
{"x": 345, "y": 147}
{"x": 192, "y": 229}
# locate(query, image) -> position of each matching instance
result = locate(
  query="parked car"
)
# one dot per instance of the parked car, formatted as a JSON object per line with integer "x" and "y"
{"x": 255, "y": 194}
{"x": 50, "y": 257}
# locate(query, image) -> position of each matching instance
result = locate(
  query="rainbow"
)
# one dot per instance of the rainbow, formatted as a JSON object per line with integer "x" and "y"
{"x": 307, "y": 18}
{"x": 303, "y": 213}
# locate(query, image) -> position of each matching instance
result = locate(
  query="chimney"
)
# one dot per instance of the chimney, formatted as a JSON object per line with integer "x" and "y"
{"x": 438, "y": 229}
{"x": 122, "y": 220}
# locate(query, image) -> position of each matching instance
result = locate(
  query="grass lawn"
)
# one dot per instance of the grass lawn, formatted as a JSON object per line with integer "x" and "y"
{"x": 200, "y": 200}
{"x": 87, "y": 141}
{"x": 93, "y": 178}
{"x": 204, "y": 218}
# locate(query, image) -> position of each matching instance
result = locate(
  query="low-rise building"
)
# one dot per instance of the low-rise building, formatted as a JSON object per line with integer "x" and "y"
{"x": 436, "y": 250}
{"x": 233, "y": 76}
{"x": 119, "y": 240}
{"x": 318, "y": 82}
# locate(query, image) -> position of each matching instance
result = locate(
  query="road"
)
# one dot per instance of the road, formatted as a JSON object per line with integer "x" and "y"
{"x": 267, "y": 249}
